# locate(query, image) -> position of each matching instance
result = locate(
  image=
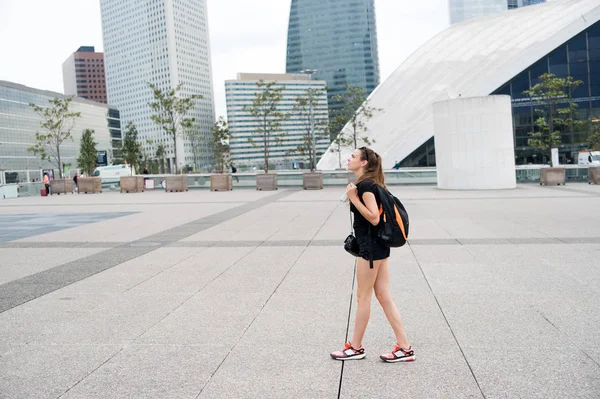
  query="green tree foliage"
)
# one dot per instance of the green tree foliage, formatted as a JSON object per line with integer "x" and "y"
{"x": 314, "y": 129}
{"x": 594, "y": 137}
{"x": 160, "y": 156}
{"x": 554, "y": 109}
{"x": 88, "y": 155}
{"x": 57, "y": 121}
{"x": 195, "y": 138}
{"x": 355, "y": 112}
{"x": 268, "y": 131}
{"x": 131, "y": 148}
{"x": 338, "y": 143}
{"x": 170, "y": 113}
{"x": 219, "y": 142}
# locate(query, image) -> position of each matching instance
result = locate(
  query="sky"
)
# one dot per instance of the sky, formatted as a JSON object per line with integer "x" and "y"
{"x": 37, "y": 36}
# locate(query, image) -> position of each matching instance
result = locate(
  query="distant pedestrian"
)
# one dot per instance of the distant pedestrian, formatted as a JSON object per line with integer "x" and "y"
{"x": 75, "y": 187}
{"x": 47, "y": 183}
{"x": 366, "y": 165}
{"x": 234, "y": 171}
{"x": 145, "y": 171}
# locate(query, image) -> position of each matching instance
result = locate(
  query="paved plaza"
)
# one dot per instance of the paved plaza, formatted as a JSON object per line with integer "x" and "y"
{"x": 243, "y": 294}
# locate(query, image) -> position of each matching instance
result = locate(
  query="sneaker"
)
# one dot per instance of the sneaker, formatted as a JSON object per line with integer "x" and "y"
{"x": 349, "y": 353}
{"x": 399, "y": 355}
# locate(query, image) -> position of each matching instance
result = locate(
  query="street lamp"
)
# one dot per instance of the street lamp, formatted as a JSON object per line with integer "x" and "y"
{"x": 310, "y": 72}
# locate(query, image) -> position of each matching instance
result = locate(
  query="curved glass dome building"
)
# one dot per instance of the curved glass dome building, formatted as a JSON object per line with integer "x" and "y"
{"x": 499, "y": 54}
{"x": 336, "y": 38}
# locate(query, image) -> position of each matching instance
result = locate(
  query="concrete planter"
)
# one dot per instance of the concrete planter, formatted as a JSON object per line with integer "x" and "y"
{"x": 178, "y": 183}
{"x": 61, "y": 186}
{"x": 132, "y": 184}
{"x": 221, "y": 182}
{"x": 552, "y": 176}
{"x": 312, "y": 181}
{"x": 89, "y": 185}
{"x": 594, "y": 175}
{"x": 266, "y": 182}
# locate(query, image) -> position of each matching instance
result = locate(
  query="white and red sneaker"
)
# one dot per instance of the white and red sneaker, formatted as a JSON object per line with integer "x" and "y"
{"x": 399, "y": 355}
{"x": 349, "y": 353}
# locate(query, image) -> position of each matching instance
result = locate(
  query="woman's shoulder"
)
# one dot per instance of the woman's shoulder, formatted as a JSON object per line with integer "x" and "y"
{"x": 367, "y": 185}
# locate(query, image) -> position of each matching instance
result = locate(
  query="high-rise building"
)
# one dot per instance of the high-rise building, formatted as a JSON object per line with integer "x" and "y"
{"x": 165, "y": 43}
{"x": 19, "y": 123}
{"x": 338, "y": 40}
{"x": 461, "y": 10}
{"x": 83, "y": 74}
{"x": 242, "y": 125}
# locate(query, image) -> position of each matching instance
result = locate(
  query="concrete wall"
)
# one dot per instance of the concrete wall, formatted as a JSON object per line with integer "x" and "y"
{"x": 474, "y": 143}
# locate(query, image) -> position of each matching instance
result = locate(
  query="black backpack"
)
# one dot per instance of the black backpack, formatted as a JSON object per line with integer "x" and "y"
{"x": 392, "y": 229}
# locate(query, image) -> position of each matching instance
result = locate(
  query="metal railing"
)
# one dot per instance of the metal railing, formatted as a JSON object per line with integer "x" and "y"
{"x": 415, "y": 176}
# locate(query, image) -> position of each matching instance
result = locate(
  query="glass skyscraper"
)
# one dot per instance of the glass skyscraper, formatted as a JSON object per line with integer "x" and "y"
{"x": 336, "y": 38}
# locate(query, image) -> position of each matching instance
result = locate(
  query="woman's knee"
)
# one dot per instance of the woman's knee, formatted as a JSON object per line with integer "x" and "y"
{"x": 364, "y": 296}
{"x": 383, "y": 295}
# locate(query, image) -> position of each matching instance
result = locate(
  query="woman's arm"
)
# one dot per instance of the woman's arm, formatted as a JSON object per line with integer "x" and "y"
{"x": 369, "y": 208}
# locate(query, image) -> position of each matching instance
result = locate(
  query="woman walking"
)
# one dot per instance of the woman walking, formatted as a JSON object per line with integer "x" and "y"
{"x": 366, "y": 165}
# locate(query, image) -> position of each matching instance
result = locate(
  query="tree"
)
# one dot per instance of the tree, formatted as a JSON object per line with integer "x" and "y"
{"x": 131, "y": 148}
{"x": 268, "y": 118}
{"x": 170, "y": 112}
{"x": 58, "y": 121}
{"x": 338, "y": 143}
{"x": 355, "y": 112}
{"x": 160, "y": 155}
{"x": 219, "y": 142}
{"x": 195, "y": 138}
{"x": 88, "y": 155}
{"x": 314, "y": 128}
{"x": 144, "y": 160}
{"x": 549, "y": 95}
{"x": 594, "y": 137}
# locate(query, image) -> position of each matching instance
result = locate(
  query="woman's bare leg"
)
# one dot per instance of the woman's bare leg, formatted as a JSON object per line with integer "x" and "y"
{"x": 365, "y": 280}
{"x": 384, "y": 296}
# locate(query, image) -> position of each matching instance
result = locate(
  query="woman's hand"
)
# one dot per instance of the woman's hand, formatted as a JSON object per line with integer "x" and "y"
{"x": 352, "y": 192}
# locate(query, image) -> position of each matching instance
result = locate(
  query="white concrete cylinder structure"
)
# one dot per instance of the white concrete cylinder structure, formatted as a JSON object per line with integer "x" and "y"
{"x": 474, "y": 145}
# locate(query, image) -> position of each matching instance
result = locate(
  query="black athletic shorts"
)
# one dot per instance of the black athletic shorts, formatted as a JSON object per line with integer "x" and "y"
{"x": 378, "y": 250}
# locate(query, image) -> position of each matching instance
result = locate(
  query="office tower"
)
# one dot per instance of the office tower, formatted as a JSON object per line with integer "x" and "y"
{"x": 337, "y": 39}
{"x": 19, "y": 124}
{"x": 241, "y": 92}
{"x": 83, "y": 74}
{"x": 165, "y": 43}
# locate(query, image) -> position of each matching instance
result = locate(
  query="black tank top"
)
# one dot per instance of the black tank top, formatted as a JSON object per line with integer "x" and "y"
{"x": 361, "y": 225}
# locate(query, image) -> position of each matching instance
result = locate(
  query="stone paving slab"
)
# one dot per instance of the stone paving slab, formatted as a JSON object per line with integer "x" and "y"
{"x": 14, "y": 227}
{"x": 533, "y": 373}
{"x": 48, "y": 371}
{"x": 245, "y": 293}
{"x": 152, "y": 371}
{"x": 18, "y": 263}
